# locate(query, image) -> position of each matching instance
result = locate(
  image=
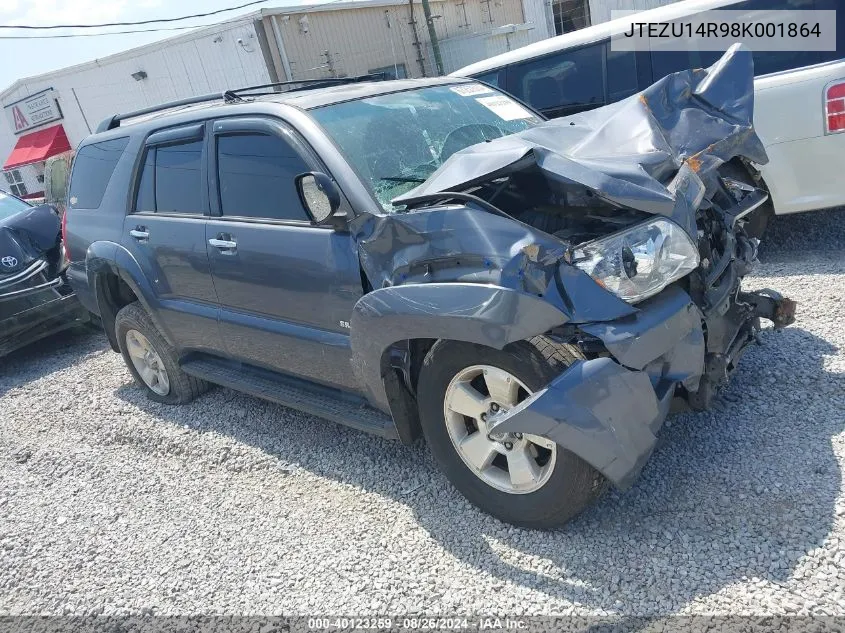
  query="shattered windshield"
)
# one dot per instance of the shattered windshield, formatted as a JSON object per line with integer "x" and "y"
{"x": 10, "y": 205}
{"x": 396, "y": 141}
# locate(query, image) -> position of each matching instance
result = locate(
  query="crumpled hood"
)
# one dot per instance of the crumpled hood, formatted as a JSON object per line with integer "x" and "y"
{"x": 27, "y": 236}
{"x": 627, "y": 152}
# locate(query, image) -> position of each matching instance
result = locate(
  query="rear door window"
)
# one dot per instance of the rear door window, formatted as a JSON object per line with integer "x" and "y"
{"x": 563, "y": 83}
{"x": 178, "y": 178}
{"x": 171, "y": 179}
{"x": 92, "y": 169}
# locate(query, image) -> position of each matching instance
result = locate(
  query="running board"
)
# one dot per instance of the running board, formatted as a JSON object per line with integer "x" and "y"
{"x": 308, "y": 397}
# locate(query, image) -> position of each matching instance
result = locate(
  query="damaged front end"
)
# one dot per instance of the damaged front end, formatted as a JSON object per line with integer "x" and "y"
{"x": 35, "y": 298}
{"x": 616, "y": 231}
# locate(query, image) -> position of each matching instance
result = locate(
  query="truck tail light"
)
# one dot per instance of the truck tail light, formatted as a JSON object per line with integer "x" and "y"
{"x": 64, "y": 234}
{"x": 834, "y": 100}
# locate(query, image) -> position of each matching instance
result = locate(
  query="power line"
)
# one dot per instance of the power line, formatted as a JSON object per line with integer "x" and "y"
{"x": 95, "y": 26}
{"x": 53, "y": 37}
{"x": 162, "y": 29}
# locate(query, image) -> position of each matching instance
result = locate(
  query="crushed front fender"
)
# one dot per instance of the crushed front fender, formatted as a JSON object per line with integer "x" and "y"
{"x": 604, "y": 413}
{"x": 608, "y": 410}
{"x": 664, "y": 338}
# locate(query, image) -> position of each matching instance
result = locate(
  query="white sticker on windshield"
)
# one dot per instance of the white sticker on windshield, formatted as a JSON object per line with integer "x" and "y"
{"x": 468, "y": 90}
{"x": 506, "y": 109}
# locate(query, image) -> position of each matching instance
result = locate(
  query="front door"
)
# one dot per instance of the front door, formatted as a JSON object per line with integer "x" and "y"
{"x": 165, "y": 234}
{"x": 286, "y": 287}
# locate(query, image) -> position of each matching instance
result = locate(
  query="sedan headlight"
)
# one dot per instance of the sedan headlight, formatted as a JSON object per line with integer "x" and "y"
{"x": 640, "y": 261}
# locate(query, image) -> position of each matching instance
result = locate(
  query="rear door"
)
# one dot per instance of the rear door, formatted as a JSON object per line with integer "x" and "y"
{"x": 165, "y": 233}
{"x": 286, "y": 287}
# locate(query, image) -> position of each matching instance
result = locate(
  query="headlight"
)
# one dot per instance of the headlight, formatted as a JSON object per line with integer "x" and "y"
{"x": 640, "y": 261}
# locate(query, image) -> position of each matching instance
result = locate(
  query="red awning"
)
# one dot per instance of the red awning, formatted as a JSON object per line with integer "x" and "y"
{"x": 37, "y": 146}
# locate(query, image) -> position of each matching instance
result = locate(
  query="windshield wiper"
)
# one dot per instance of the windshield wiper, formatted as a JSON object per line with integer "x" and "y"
{"x": 402, "y": 178}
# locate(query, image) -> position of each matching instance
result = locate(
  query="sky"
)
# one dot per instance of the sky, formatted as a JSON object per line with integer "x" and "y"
{"x": 24, "y": 58}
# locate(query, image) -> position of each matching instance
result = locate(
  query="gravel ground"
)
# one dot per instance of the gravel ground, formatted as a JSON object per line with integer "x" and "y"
{"x": 112, "y": 504}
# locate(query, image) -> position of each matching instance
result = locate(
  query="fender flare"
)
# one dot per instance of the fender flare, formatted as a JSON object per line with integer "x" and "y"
{"x": 108, "y": 258}
{"x": 474, "y": 313}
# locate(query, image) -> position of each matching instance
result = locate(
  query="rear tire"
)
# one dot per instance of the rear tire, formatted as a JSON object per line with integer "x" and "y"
{"x": 162, "y": 380}
{"x": 565, "y": 484}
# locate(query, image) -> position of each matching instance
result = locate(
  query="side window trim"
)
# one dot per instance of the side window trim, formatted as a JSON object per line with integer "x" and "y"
{"x": 603, "y": 46}
{"x": 270, "y": 126}
{"x": 172, "y": 136}
{"x": 137, "y": 177}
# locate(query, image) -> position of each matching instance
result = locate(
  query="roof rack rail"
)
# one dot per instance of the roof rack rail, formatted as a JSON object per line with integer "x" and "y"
{"x": 236, "y": 95}
{"x": 114, "y": 121}
{"x": 304, "y": 84}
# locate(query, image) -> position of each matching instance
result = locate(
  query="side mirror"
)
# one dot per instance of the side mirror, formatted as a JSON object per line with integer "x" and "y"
{"x": 319, "y": 194}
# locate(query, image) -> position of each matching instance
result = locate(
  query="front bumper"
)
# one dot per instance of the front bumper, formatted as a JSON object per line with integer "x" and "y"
{"x": 608, "y": 410}
{"x": 38, "y": 309}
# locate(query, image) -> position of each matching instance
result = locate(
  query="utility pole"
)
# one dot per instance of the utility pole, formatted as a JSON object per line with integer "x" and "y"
{"x": 432, "y": 33}
{"x": 417, "y": 42}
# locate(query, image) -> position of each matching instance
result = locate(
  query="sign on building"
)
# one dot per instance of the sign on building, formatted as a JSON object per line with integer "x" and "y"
{"x": 33, "y": 111}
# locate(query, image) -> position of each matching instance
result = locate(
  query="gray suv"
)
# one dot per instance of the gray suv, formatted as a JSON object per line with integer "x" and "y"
{"x": 431, "y": 257}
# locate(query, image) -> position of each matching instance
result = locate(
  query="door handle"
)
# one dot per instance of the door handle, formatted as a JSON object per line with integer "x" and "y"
{"x": 140, "y": 233}
{"x": 225, "y": 245}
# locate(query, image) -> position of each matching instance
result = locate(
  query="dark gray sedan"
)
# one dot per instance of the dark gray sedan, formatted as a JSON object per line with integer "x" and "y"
{"x": 35, "y": 299}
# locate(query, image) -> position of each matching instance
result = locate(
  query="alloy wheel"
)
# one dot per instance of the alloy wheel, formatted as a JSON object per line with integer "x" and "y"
{"x": 515, "y": 463}
{"x": 147, "y": 362}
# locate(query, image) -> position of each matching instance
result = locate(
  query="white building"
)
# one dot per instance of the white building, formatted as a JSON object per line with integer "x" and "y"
{"x": 50, "y": 113}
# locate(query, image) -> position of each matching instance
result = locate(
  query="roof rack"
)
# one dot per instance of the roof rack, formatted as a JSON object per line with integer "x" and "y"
{"x": 114, "y": 121}
{"x": 231, "y": 96}
{"x": 303, "y": 84}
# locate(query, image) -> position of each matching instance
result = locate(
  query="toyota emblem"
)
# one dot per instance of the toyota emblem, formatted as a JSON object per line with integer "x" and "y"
{"x": 9, "y": 262}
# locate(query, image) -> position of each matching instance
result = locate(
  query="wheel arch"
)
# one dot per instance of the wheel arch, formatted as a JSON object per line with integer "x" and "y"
{"x": 393, "y": 328}
{"x": 117, "y": 280}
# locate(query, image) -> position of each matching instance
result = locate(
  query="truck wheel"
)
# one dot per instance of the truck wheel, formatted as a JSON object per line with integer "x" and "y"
{"x": 525, "y": 480}
{"x": 151, "y": 360}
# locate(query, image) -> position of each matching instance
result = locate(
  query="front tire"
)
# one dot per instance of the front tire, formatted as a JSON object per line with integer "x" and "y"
{"x": 520, "y": 479}
{"x": 152, "y": 361}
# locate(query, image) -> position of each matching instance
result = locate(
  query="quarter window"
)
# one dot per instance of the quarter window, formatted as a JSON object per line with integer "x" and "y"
{"x": 257, "y": 176}
{"x": 92, "y": 169}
